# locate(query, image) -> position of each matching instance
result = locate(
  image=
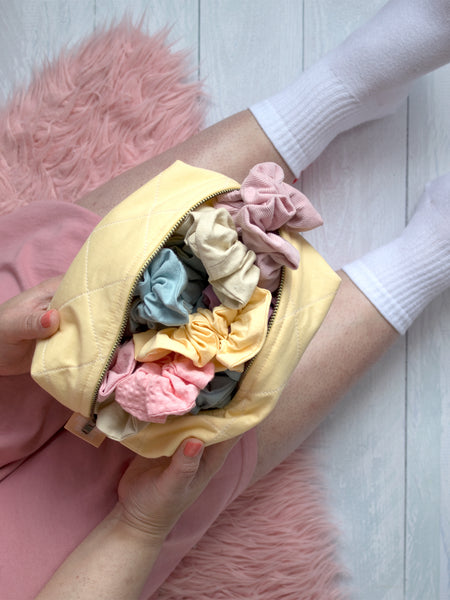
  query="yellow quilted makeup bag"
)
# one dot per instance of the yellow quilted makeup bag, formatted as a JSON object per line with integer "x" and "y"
{"x": 94, "y": 300}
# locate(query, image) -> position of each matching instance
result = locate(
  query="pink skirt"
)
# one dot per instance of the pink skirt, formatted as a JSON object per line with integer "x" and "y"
{"x": 55, "y": 488}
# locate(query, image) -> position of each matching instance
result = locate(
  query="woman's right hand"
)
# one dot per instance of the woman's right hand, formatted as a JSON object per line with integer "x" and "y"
{"x": 23, "y": 320}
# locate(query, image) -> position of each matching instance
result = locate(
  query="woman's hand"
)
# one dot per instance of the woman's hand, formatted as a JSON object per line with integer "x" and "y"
{"x": 116, "y": 558}
{"x": 153, "y": 493}
{"x": 23, "y": 320}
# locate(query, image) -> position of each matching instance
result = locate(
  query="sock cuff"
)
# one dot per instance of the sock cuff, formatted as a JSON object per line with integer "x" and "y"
{"x": 379, "y": 296}
{"x": 279, "y": 134}
{"x": 302, "y": 119}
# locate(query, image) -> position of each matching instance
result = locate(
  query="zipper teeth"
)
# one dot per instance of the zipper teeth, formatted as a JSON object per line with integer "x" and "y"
{"x": 136, "y": 280}
{"x": 272, "y": 318}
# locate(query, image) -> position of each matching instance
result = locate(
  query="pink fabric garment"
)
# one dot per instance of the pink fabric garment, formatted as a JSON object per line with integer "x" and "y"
{"x": 166, "y": 387}
{"x": 36, "y": 243}
{"x": 263, "y": 205}
{"x": 122, "y": 365}
{"x": 56, "y": 488}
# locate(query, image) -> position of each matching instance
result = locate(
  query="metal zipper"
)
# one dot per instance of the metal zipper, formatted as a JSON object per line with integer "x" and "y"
{"x": 91, "y": 423}
{"x": 271, "y": 320}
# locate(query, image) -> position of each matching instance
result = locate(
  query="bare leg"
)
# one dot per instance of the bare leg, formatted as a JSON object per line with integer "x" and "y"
{"x": 352, "y": 337}
{"x": 231, "y": 146}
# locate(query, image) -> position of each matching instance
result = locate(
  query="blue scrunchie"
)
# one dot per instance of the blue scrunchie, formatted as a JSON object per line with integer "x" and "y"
{"x": 170, "y": 289}
{"x": 160, "y": 294}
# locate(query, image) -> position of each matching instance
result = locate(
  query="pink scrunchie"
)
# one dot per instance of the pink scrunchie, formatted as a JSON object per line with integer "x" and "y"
{"x": 123, "y": 364}
{"x": 159, "y": 389}
{"x": 152, "y": 391}
{"x": 263, "y": 205}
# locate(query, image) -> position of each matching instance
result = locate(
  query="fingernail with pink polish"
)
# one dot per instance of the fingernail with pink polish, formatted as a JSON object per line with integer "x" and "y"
{"x": 46, "y": 319}
{"x": 192, "y": 449}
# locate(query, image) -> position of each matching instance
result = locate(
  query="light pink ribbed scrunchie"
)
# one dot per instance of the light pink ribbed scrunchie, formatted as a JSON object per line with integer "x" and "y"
{"x": 264, "y": 204}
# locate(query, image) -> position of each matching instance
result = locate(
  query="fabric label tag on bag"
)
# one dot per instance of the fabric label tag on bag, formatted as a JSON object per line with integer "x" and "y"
{"x": 85, "y": 429}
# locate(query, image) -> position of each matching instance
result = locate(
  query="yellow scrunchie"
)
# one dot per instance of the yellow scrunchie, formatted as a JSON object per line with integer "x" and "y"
{"x": 229, "y": 337}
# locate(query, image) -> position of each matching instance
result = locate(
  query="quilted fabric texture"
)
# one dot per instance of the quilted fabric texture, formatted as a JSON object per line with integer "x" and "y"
{"x": 93, "y": 296}
{"x": 306, "y": 297}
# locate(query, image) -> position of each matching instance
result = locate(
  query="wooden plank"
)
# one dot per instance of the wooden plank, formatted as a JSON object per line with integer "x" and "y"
{"x": 35, "y": 31}
{"x": 180, "y": 16}
{"x": 32, "y": 32}
{"x": 427, "y": 572}
{"x": 358, "y": 185}
{"x": 248, "y": 51}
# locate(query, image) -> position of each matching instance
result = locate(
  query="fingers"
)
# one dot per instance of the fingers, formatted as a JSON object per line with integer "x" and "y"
{"x": 37, "y": 325}
{"x": 46, "y": 325}
{"x": 184, "y": 465}
{"x": 48, "y": 287}
{"x": 215, "y": 456}
{"x": 25, "y": 317}
{"x": 154, "y": 493}
{"x": 42, "y": 323}
{"x": 193, "y": 465}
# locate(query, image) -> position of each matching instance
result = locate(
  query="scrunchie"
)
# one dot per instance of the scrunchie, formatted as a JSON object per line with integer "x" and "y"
{"x": 196, "y": 273}
{"x": 263, "y": 205}
{"x": 157, "y": 390}
{"x": 122, "y": 365}
{"x": 213, "y": 238}
{"x": 218, "y": 392}
{"x": 229, "y": 337}
{"x": 162, "y": 297}
{"x": 153, "y": 391}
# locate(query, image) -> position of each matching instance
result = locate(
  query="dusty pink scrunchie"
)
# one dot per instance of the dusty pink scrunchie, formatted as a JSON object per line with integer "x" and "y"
{"x": 264, "y": 204}
{"x": 123, "y": 364}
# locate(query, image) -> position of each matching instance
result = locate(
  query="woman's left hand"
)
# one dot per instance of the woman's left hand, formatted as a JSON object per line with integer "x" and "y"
{"x": 23, "y": 320}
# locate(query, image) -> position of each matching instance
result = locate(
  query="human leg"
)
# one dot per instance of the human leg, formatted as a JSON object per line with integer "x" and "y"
{"x": 364, "y": 78}
{"x": 352, "y": 337}
{"x": 402, "y": 277}
{"x": 380, "y": 296}
{"x": 231, "y": 146}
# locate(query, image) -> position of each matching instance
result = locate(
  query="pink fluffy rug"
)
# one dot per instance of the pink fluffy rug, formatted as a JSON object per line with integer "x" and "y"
{"x": 111, "y": 103}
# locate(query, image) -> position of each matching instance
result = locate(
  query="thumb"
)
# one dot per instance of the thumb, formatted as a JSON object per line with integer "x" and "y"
{"x": 38, "y": 325}
{"x": 184, "y": 465}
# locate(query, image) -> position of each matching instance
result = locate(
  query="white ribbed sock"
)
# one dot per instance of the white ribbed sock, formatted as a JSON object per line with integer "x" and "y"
{"x": 365, "y": 78}
{"x": 401, "y": 278}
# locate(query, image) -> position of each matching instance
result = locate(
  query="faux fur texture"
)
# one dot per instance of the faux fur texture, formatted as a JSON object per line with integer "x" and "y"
{"x": 116, "y": 100}
{"x": 101, "y": 108}
{"x": 274, "y": 542}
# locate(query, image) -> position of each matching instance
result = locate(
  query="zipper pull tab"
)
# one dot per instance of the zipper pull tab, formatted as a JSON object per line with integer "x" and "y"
{"x": 85, "y": 429}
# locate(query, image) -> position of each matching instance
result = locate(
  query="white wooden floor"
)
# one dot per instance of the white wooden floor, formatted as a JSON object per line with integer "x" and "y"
{"x": 386, "y": 448}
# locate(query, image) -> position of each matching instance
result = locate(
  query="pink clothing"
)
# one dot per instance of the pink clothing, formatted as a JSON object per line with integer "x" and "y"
{"x": 54, "y": 488}
{"x": 263, "y": 205}
{"x": 166, "y": 387}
